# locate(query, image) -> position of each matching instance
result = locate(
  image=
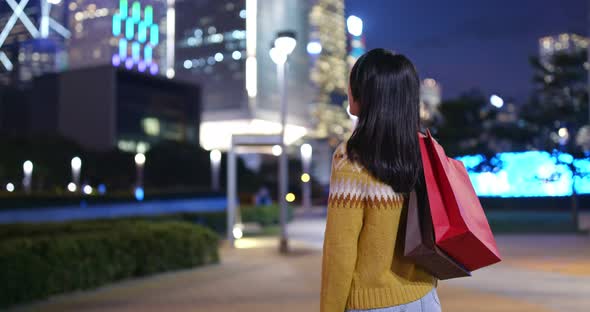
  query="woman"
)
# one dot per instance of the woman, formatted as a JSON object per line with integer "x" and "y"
{"x": 363, "y": 265}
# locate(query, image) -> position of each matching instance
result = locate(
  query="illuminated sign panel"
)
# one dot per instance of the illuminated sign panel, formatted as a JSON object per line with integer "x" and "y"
{"x": 138, "y": 36}
{"x": 528, "y": 174}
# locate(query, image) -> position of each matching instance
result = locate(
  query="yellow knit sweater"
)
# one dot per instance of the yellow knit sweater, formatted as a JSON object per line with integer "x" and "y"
{"x": 363, "y": 265}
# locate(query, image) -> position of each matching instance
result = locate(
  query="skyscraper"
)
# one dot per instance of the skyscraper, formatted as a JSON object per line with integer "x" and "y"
{"x": 357, "y": 46}
{"x": 224, "y": 46}
{"x": 430, "y": 98}
{"x": 329, "y": 67}
{"x": 563, "y": 43}
{"x": 130, "y": 34}
{"x": 32, "y": 38}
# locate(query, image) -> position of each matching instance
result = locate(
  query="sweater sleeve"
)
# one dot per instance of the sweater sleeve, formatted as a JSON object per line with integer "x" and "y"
{"x": 343, "y": 225}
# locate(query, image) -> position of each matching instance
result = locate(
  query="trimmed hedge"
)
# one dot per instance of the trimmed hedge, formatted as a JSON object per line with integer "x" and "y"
{"x": 49, "y": 259}
{"x": 264, "y": 215}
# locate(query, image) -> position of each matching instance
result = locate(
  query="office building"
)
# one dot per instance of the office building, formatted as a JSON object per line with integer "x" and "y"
{"x": 224, "y": 46}
{"x": 32, "y": 38}
{"x": 356, "y": 38}
{"x": 563, "y": 43}
{"x": 430, "y": 99}
{"x": 135, "y": 35}
{"x": 105, "y": 107}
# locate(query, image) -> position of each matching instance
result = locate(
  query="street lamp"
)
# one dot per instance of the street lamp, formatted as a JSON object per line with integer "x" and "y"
{"x": 76, "y": 165}
{"x": 306, "y": 152}
{"x": 28, "y": 175}
{"x": 139, "y": 164}
{"x": 215, "y": 157}
{"x": 283, "y": 46}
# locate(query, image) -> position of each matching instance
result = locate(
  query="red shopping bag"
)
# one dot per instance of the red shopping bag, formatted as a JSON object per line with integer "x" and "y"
{"x": 460, "y": 226}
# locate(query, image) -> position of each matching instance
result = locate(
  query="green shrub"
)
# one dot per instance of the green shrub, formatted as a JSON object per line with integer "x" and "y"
{"x": 84, "y": 255}
{"x": 264, "y": 215}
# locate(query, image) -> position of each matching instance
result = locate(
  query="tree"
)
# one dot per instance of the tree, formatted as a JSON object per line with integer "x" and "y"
{"x": 560, "y": 99}
{"x": 559, "y": 108}
{"x": 466, "y": 121}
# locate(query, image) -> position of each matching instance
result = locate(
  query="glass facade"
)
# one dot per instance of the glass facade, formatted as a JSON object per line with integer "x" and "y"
{"x": 32, "y": 43}
{"x": 224, "y": 47}
{"x": 211, "y": 50}
{"x": 149, "y": 111}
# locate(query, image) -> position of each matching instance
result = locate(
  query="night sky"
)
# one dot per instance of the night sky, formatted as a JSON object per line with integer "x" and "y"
{"x": 470, "y": 43}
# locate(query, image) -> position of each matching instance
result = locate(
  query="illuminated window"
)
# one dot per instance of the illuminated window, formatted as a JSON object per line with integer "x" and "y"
{"x": 151, "y": 126}
{"x": 216, "y": 38}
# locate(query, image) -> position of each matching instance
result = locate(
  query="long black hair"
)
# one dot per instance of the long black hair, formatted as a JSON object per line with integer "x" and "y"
{"x": 386, "y": 87}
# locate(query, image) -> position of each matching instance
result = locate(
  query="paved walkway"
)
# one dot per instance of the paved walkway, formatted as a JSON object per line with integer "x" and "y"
{"x": 540, "y": 274}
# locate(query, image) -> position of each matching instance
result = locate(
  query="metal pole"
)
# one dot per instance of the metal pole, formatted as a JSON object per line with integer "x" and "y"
{"x": 283, "y": 169}
{"x": 139, "y": 181}
{"x": 215, "y": 175}
{"x": 307, "y": 185}
{"x": 231, "y": 194}
{"x": 76, "y": 178}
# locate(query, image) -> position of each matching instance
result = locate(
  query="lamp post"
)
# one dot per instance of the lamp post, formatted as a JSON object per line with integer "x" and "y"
{"x": 306, "y": 152}
{"x": 215, "y": 157}
{"x": 284, "y": 45}
{"x": 76, "y": 165}
{"x": 139, "y": 164}
{"x": 28, "y": 175}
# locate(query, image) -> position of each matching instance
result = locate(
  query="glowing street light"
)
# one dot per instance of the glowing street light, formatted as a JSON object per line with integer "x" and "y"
{"x": 28, "y": 175}
{"x": 72, "y": 187}
{"x": 10, "y": 187}
{"x": 496, "y": 101}
{"x": 354, "y": 25}
{"x": 238, "y": 232}
{"x": 277, "y": 150}
{"x": 87, "y": 189}
{"x": 76, "y": 165}
{"x": 286, "y": 42}
{"x": 139, "y": 164}
{"x": 305, "y": 177}
{"x": 306, "y": 153}
{"x": 277, "y": 56}
{"x": 314, "y": 48}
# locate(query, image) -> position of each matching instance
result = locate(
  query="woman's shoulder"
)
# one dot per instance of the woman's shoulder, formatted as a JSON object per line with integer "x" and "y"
{"x": 342, "y": 163}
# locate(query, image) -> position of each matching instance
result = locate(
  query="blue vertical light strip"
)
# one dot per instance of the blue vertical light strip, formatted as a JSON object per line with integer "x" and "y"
{"x": 148, "y": 15}
{"x": 154, "y": 35}
{"x": 129, "y": 25}
{"x": 136, "y": 11}
{"x": 116, "y": 25}
{"x": 123, "y": 9}
{"x": 135, "y": 47}
{"x": 122, "y": 48}
{"x": 142, "y": 32}
{"x": 147, "y": 54}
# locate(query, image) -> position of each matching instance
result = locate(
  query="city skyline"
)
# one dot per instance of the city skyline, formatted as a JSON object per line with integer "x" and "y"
{"x": 460, "y": 36}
